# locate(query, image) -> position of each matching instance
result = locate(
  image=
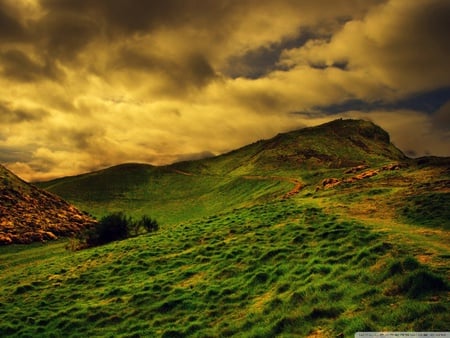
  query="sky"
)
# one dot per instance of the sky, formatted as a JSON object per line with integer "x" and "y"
{"x": 86, "y": 84}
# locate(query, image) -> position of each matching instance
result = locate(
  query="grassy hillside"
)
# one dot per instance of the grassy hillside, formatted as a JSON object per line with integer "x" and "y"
{"x": 167, "y": 194}
{"x": 288, "y": 237}
{"x": 200, "y": 188}
{"x": 285, "y": 268}
{"x": 337, "y": 144}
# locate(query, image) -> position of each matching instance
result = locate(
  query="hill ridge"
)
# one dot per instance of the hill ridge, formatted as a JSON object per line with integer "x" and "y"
{"x": 362, "y": 127}
{"x": 336, "y": 144}
{"x": 197, "y": 188}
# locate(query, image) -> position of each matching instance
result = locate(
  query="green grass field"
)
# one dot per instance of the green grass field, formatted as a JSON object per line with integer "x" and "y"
{"x": 284, "y": 268}
{"x": 204, "y": 187}
{"x": 240, "y": 252}
{"x": 169, "y": 196}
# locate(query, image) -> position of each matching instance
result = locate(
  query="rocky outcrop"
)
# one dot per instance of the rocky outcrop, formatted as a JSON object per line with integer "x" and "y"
{"x": 328, "y": 183}
{"x": 29, "y": 214}
{"x": 356, "y": 169}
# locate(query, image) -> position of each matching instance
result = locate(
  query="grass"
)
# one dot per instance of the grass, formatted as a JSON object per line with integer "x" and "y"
{"x": 430, "y": 209}
{"x": 280, "y": 268}
{"x": 168, "y": 196}
{"x": 233, "y": 257}
{"x": 195, "y": 189}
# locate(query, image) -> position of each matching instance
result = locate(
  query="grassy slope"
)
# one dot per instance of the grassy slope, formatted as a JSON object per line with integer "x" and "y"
{"x": 357, "y": 257}
{"x": 200, "y": 188}
{"x": 164, "y": 193}
{"x": 285, "y": 267}
{"x": 323, "y": 262}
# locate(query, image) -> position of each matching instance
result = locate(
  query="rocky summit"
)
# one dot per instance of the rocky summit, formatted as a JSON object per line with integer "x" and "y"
{"x": 29, "y": 214}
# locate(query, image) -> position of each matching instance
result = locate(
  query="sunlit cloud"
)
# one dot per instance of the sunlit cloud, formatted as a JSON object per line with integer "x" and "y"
{"x": 89, "y": 84}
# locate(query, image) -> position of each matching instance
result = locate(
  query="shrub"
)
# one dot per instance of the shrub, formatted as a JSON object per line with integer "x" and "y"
{"x": 149, "y": 224}
{"x": 110, "y": 228}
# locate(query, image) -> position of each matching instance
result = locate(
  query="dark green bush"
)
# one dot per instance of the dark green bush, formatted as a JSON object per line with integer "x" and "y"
{"x": 149, "y": 224}
{"x": 110, "y": 228}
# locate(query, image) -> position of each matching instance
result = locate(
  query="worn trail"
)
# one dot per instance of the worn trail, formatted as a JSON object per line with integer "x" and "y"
{"x": 298, "y": 185}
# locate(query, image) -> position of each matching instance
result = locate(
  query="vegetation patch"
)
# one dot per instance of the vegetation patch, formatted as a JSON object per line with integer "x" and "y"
{"x": 192, "y": 280}
{"x": 113, "y": 227}
{"x": 238, "y": 255}
{"x": 430, "y": 209}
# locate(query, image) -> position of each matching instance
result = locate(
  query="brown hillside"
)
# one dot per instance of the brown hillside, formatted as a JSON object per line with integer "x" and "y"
{"x": 29, "y": 214}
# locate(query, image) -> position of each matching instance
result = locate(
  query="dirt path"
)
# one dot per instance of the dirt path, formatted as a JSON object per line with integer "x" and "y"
{"x": 298, "y": 185}
{"x": 295, "y": 190}
{"x": 185, "y": 173}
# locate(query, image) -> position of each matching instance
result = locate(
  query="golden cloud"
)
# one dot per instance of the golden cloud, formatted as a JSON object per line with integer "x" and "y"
{"x": 87, "y": 84}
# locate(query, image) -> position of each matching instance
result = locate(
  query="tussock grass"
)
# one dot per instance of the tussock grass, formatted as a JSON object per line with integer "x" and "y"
{"x": 430, "y": 209}
{"x": 282, "y": 268}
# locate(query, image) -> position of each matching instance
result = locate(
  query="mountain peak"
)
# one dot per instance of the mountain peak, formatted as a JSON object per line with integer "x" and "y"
{"x": 364, "y": 128}
{"x": 342, "y": 143}
{"x": 336, "y": 144}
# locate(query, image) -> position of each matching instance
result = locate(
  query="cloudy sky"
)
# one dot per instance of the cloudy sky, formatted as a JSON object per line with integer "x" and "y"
{"x": 86, "y": 84}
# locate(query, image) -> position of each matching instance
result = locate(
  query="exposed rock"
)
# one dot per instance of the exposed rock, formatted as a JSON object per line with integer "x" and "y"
{"x": 5, "y": 239}
{"x": 356, "y": 169}
{"x": 366, "y": 174}
{"x": 330, "y": 182}
{"x": 395, "y": 166}
{"x": 28, "y": 214}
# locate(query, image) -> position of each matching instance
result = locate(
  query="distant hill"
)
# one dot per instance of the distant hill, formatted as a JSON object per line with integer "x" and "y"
{"x": 254, "y": 173}
{"x": 337, "y": 144}
{"x": 29, "y": 214}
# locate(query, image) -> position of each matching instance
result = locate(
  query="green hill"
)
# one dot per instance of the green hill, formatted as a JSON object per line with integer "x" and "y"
{"x": 163, "y": 192}
{"x": 337, "y": 144}
{"x": 321, "y": 232}
{"x": 252, "y": 174}
{"x": 284, "y": 268}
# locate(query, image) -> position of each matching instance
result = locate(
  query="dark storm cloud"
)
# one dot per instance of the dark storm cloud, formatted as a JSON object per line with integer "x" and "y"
{"x": 82, "y": 139}
{"x": 342, "y": 65}
{"x": 77, "y": 137}
{"x": 424, "y": 32}
{"x": 64, "y": 34}
{"x": 409, "y": 44}
{"x": 128, "y": 58}
{"x": 258, "y": 62}
{"x": 199, "y": 69}
{"x": 441, "y": 119}
{"x": 11, "y": 154}
{"x": 17, "y": 65}
{"x": 181, "y": 73}
{"x": 431, "y": 21}
{"x": 14, "y": 115}
{"x": 428, "y": 102}
{"x": 143, "y": 15}
{"x": 10, "y": 27}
